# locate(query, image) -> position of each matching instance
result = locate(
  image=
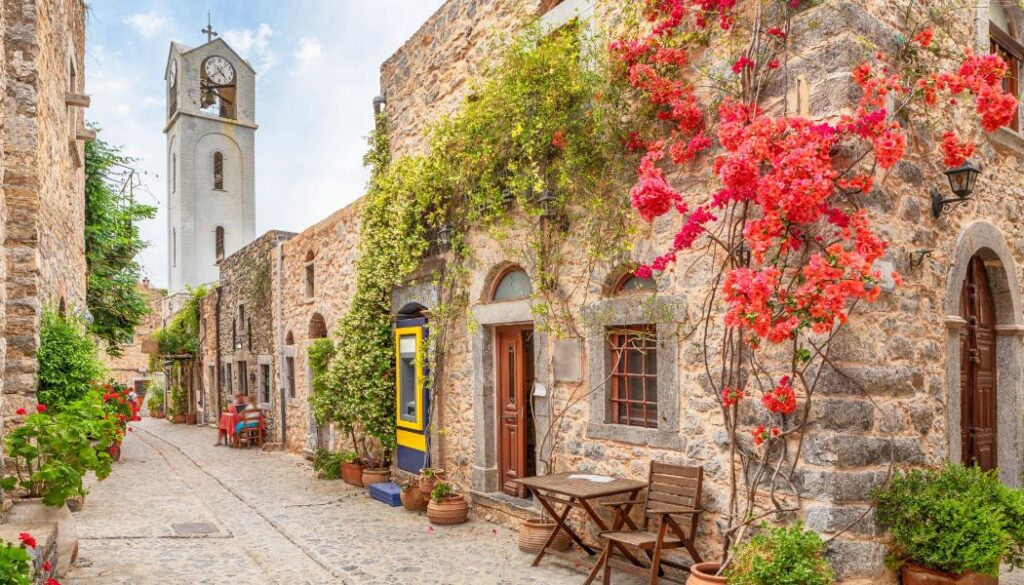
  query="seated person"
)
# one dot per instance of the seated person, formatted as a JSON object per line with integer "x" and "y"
{"x": 250, "y": 405}
{"x": 239, "y": 404}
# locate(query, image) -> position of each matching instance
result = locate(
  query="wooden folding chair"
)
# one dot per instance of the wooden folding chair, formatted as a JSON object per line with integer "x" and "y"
{"x": 672, "y": 501}
{"x": 252, "y": 434}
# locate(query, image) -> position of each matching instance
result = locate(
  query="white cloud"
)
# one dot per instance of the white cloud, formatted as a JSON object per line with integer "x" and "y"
{"x": 307, "y": 53}
{"x": 148, "y": 24}
{"x": 254, "y": 46}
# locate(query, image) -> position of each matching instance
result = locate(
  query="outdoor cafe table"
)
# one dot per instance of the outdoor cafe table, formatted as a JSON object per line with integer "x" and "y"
{"x": 228, "y": 422}
{"x": 562, "y": 489}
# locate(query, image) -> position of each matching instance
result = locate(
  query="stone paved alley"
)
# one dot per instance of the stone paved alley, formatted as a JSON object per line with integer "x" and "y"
{"x": 179, "y": 510}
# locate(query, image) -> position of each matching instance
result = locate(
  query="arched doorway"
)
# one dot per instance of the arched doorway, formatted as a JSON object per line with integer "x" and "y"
{"x": 978, "y": 393}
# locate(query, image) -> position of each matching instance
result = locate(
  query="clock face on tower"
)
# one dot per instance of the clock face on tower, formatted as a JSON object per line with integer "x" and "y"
{"x": 218, "y": 70}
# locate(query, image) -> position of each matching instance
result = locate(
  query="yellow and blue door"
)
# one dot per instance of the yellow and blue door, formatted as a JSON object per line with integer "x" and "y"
{"x": 412, "y": 402}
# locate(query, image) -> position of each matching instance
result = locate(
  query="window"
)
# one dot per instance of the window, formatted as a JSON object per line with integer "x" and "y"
{"x": 219, "y": 242}
{"x": 227, "y": 378}
{"x": 174, "y": 247}
{"x": 248, "y": 334}
{"x": 1004, "y": 42}
{"x": 631, "y": 283}
{"x": 289, "y": 366}
{"x": 634, "y": 378}
{"x": 241, "y": 313}
{"x": 513, "y": 285}
{"x": 407, "y": 377}
{"x": 218, "y": 171}
{"x": 234, "y": 334}
{"x": 310, "y": 274}
{"x": 243, "y": 386}
{"x": 174, "y": 173}
{"x": 289, "y": 339}
{"x": 265, "y": 383}
{"x": 317, "y": 326}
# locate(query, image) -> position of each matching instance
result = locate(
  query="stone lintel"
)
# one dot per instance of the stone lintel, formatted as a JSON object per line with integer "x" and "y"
{"x": 954, "y": 322}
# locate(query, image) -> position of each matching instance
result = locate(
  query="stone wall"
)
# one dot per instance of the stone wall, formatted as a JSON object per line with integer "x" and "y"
{"x": 43, "y": 180}
{"x": 133, "y": 363}
{"x": 329, "y": 247}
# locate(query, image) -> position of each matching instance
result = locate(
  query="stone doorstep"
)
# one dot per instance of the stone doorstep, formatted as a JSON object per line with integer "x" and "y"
{"x": 46, "y": 545}
{"x": 519, "y": 508}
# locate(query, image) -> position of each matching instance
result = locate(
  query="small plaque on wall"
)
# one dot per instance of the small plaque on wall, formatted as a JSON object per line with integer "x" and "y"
{"x": 568, "y": 362}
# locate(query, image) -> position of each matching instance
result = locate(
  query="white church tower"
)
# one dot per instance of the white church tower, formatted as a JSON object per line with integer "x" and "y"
{"x": 211, "y": 128}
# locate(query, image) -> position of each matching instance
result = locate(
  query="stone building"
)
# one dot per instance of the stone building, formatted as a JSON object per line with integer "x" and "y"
{"x": 42, "y": 214}
{"x": 925, "y": 378}
{"x": 131, "y": 368}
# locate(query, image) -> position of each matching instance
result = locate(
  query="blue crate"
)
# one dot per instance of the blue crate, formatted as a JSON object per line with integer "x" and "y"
{"x": 389, "y": 492}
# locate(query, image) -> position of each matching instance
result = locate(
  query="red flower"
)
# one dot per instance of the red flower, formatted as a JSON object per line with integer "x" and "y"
{"x": 27, "y": 539}
{"x": 558, "y": 139}
{"x": 773, "y": 64}
{"x": 759, "y": 434}
{"x": 924, "y": 38}
{"x": 46, "y": 566}
{"x": 20, "y": 412}
{"x": 52, "y": 581}
{"x": 40, "y": 408}
{"x": 776, "y": 32}
{"x": 742, "y": 63}
{"x": 955, "y": 153}
{"x": 731, "y": 396}
{"x": 782, "y": 399}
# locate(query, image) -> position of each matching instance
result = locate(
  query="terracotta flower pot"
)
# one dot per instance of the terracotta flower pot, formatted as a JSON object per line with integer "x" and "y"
{"x": 32, "y": 511}
{"x": 191, "y": 418}
{"x": 156, "y": 414}
{"x": 115, "y": 450}
{"x": 427, "y": 483}
{"x": 76, "y": 504}
{"x": 704, "y": 574}
{"x": 451, "y": 510}
{"x": 376, "y": 475}
{"x": 534, "y": 533}
{"x": 911, "y": 574}
{"x": 352, "y": 473}
{"x": 178, "y": 419}
{"x": 412, "y": 499}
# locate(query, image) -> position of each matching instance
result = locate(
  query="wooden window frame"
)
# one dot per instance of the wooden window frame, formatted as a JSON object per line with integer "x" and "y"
{"x": 501, "y": 277}
{"x": 621, "y": 342}
{"x": 218, "y": 237}
{"x": 1011, "y": 50}
{"x": 218, "y": 170}
{"x": 547, "y": 6}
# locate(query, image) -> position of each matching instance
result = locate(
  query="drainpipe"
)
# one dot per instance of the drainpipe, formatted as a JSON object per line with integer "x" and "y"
{"x": 218, "y": 374}
{"x": 278, "y": 269}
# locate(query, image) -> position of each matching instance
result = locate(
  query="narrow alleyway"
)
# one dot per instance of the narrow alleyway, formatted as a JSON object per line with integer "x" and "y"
{"x": 179, "y": 510}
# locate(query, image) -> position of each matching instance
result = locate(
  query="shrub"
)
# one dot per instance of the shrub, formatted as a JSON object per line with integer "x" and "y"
{"x": 441, "y": 491}
{"x": 954, "y": 519}
{"x": 68, "y": 360}
{"x": 15, "y": 565}
{"x": 326, "y": 464}
{"x": 348, "y": 457}
{"x": 179, "y": 402}
{"x": 781, "y": 556}
{"x": 155, "y": 398}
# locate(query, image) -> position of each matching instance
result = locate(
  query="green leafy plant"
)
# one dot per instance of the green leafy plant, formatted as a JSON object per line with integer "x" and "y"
{"x": 180, "y": 338}
{"x": 178, "y": 403}
{"x": 348, "y": 457}
{"x": 51, "y": 453}
{"x": 69, "y": 363}
{"x": 326, "y": 464}
{"x": 954, "y": 519}
{"x": 441, "y": 491}
{"x": 781, "y": 556}
{"x": 155, "y": 398}
{"x": 112, "y": 244}
{"x": 15, "y": 565}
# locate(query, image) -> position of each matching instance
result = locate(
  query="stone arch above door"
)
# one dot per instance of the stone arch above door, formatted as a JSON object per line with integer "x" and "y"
{"x": 984, "y": 240}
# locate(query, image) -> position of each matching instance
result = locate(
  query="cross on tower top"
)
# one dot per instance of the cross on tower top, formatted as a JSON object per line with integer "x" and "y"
{"x": 208, "y": 31}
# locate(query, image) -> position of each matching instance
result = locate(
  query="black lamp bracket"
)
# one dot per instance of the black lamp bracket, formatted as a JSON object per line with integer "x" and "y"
{"x": 939, "y": 203}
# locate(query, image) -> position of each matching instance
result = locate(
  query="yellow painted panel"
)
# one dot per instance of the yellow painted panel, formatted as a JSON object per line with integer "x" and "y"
{"x": 412, "y": 440}
{"x": 418, "y": 333}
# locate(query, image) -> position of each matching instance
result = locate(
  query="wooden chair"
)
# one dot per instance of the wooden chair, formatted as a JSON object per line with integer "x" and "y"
{"x": 672, "y": 502}
{"x": 252, "y": 434}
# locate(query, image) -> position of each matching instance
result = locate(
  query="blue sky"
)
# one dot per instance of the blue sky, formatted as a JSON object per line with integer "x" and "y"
{"x": 318, "y": 69}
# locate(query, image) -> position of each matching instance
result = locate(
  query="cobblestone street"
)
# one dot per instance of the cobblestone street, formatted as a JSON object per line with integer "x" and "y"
{"x": 179, "y": 510}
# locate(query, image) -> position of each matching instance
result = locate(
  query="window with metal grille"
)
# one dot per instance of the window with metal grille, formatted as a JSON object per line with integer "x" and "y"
{"x": 289, "y": 364}
{"x": 219, "y": 242}
{"x": 634, "y": 379}
{"x": 218, "y": 170}
{"x": 1003, "y": 41}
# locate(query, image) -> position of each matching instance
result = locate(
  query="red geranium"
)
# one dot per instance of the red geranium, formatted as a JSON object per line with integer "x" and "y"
{"x": 40, "y": 408}
{"x": 27, "y": 539}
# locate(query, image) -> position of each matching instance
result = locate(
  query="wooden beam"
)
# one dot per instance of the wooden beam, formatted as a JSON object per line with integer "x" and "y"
{"x": 80, "y": 100}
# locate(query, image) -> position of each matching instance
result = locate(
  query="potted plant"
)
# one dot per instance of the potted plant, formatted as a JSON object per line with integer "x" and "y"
{"x": 50, "y": 453}
{"x": 155, "y": 402}
{"x": 376, "y": 472}
{"x": 447, "y": 507}
{"x": 327, "y": 465}
{"x": 952, "y": 525}
{"x": 429, "y": 476}
{"x": 777, "y": 556}
{"x": 533, "y": 533}
{"x": 117, "y": 407}
{"x": 412, "y": 498}
{"x": 351, "y": 468}
{"x": 176, "y": 408}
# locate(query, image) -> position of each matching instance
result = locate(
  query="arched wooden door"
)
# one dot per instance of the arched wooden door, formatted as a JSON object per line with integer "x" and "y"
{"x": 978, "y": 369}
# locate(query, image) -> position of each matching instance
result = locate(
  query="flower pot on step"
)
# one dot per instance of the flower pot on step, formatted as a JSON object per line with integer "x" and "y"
{"x": 451, "y": 510}
{"x": 376, "y": 475}
{"x": 178, "y": 419}
{"x": 534, "y": 533}
{"x": 911, "y": 574}
{"x": 704, "y": 574}
{"x": 429, "y": 476}
{"x": 33, "y": 511}
{"x": 413, "y": 499}
{"x": 191, "y": 418}
{"x": 352, "y": 473}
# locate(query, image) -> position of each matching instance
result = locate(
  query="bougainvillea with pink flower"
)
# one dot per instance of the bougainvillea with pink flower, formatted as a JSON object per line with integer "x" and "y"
{"x": 794, "y": 250}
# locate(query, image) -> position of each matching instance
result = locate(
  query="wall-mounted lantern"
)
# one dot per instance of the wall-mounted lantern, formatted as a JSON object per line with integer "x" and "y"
{"x": 444, "y": 236}
{"x": 378, "y": 104}
{"x": 961, "y": 183}
{"x": 508, "y": 197}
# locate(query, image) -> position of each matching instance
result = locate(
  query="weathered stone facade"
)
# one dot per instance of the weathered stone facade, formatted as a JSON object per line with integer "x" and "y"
{"x": 133, "y": 364}
{"x": 897, "y": 400}
{"x": 43, "y": 46}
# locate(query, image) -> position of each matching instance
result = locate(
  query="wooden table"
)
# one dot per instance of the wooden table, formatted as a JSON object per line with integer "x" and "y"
{"x": 559, "y": 489}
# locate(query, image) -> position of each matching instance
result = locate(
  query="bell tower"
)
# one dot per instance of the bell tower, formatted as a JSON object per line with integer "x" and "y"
{"x": 211, "y": 132}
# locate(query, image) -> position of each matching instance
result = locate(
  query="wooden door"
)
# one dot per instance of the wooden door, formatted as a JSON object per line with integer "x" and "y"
{"x": 514, "y": 376}
{"x": 978, "y": 369}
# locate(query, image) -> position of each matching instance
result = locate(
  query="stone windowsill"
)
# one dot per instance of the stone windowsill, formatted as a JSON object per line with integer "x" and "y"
{"x": 523, "y": 508}
{"x": 1009, "y": 138}
{"x": 657, "y": 438}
